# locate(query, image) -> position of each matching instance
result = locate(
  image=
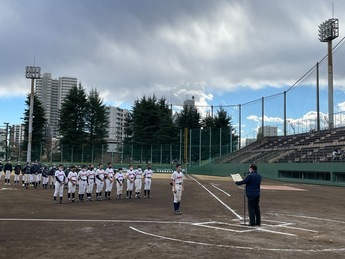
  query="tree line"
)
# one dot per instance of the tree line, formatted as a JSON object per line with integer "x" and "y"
{"x": 84, "y": 123}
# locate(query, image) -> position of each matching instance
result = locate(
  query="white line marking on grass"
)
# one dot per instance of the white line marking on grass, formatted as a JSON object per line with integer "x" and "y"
{"x": 237, "y": 247}
{"x": 226, "y": 206}
{"x": 221, "y": 190}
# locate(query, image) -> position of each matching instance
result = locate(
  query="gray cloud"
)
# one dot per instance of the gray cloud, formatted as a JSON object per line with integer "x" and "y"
{"x": 173, "y": 48}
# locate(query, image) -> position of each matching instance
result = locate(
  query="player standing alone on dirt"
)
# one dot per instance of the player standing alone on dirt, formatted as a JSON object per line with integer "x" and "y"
{"x": 253, "y": 182}
{"x": 177, "y": 188}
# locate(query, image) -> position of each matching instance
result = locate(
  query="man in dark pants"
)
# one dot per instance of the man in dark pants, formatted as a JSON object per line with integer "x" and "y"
{"x": 253, "y": 182}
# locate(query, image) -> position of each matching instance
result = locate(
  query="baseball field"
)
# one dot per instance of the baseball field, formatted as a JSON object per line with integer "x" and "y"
{"x": 298, "y": 221}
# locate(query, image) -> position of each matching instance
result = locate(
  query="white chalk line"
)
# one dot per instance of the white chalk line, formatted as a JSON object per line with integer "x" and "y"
{"x": 97, "y": 221}
{"x": 226, "y": 206}
{"x": 237, "y": 215}
{"x": 237, "y": 247}
{"x": 227, "y": 194}
{"x": 316, "y": 218}
{"x": 247, "y": 228}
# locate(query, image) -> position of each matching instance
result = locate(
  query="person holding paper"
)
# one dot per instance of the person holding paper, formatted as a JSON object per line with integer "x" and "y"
{"x": 253, "y": 182}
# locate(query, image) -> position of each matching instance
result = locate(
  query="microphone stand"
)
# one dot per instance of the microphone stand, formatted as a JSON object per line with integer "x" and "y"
{"x": 244, "y": 201}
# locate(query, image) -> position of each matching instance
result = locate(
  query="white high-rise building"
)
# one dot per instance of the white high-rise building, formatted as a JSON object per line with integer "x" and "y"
{"x": 51, "y": 93}
{"x": 269, "y": 131}
{"x": 18, "y": 134}
{"x": 116, "y": 130}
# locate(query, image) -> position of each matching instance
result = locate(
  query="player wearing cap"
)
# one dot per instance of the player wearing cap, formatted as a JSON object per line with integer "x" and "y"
{"x": 148, "y": 179}
{"x": 82, "y": 177}
{"x": 138, "y": 182}
{"x": 51, "y": 179}
{"x": 60, "y": 178}
{"x": 91, "y": 175}
{"x": 35, "y": 171}
{"x": 26, "y": 176}
{"x": 177, "y": 188}
{"x": 109, "y": 180}
{"x": 17, "y": 171}
{"x": 8, "y": 170}
{"x": 130, "y": 181}
{"x": 120, "y": 178}
{"x": 45, "y": 177}
{"x": 99, "y": 182}
{"x": 72, "y": 184}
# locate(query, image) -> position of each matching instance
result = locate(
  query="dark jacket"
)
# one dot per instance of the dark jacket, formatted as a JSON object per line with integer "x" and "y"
{"x": 8, "y": 167}
{"x": 252, "y": 182}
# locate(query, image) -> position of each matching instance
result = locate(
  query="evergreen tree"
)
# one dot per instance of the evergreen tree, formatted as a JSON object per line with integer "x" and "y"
{"x": 188, "y": 118}
{"x": 149, "y": 122}
{"x": 38, "y": 128}
{"x": 97, "y": 121}
{"x": 72, "y": 124}
{"x": 207, "y": 122}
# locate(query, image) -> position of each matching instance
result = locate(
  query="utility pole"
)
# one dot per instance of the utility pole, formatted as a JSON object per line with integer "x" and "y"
{"x": 6, "y": 140}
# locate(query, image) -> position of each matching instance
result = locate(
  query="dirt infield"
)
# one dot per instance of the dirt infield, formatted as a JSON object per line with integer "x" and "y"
{"x": 299, "y": 221}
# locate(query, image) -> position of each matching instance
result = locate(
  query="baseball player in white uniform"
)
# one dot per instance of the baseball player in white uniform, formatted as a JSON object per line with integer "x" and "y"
{"x": 59, "y": 183}
{"x": 138, "y": 182}
{"x": 72, "y": 184}
{"x": 130, "y": 182}
{"x": 120, "y": 178}
{"x": 82, "y": 177}
{"x": 91, "y": 176}
{"x": 109, "y": 180}
{"x": 177, "y": 188}
{"x": 99, "y": 182}
{"x": 147, "y": 184}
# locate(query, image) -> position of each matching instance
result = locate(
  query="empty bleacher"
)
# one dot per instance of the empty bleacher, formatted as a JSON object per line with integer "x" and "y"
{"x": 312, "y": 147}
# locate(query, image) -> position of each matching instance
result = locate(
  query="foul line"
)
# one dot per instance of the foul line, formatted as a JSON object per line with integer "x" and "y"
{"x": 226, "y": 206}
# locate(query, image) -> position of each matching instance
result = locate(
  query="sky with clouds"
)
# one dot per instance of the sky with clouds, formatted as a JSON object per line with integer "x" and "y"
{"x": 222, "y": 52}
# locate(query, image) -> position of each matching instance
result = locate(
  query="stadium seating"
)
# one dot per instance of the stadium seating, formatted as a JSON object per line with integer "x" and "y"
{"x": 311, "y": 147}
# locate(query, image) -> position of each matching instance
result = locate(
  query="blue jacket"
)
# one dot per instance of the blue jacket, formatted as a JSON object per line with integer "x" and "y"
{"x": 252, "y": 182}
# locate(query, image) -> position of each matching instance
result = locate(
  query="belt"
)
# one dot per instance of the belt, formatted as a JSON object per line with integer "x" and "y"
{"x": 83, "y": 179}
{"x": 148, "y": 177}
{"x": 179, "y": 183}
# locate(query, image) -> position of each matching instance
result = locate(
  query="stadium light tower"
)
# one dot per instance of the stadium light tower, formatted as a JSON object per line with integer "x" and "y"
{"x": 31, "y": 72}
{"x": 328, "y": 31}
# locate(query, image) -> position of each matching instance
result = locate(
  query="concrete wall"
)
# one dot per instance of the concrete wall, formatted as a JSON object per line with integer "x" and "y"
{"x": 270, "y": 171}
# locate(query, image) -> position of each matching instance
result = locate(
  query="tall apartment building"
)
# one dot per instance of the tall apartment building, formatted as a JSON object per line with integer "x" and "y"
{"x": 269, "y": 131}
{"x": 189, "y": 103}
{"x": 17, "y": 134}
{"x": 51, "y": 93}
{"x": 116, "y": 130}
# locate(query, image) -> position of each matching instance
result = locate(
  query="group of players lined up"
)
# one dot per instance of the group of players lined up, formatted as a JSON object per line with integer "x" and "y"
{"x": 82, "y": 180}
{"x": 88, "y": 177}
